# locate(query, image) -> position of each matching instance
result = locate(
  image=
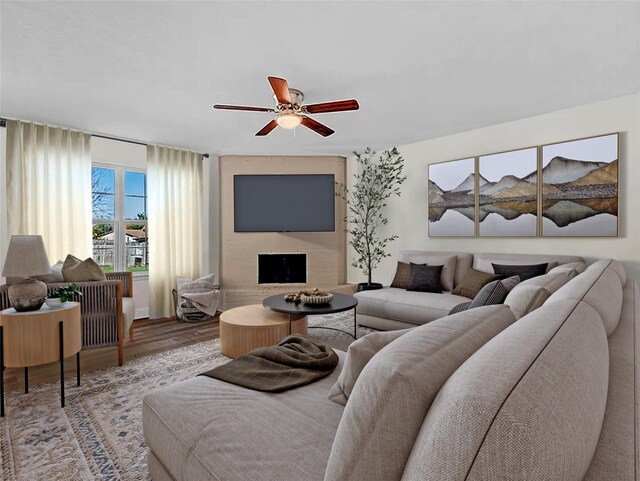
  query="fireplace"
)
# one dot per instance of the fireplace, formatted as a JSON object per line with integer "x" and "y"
{"x": 282, "y": 268}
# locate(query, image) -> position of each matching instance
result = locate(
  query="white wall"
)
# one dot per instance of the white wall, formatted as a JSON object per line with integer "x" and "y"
{"x": 408, "y": 214}
{"x": 4, "y": 238}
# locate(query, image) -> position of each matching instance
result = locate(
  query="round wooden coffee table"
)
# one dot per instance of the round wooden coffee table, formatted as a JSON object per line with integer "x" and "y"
{"x": 245, "y": 328}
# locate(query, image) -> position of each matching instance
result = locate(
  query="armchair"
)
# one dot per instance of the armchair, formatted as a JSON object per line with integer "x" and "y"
{"x": 107, "y": 310}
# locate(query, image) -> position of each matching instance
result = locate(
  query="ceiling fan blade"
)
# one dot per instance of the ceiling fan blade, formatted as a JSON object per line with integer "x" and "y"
{"x": 337, "y": 106}
{"x": 240, "y": 107}
{"x": 267, "y": 128}
{"x": 281, "y": 88}
{"x": 316, "y": 126}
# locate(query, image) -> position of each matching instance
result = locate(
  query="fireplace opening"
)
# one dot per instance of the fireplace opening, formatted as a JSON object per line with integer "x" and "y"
{"x": 282, "y": 268}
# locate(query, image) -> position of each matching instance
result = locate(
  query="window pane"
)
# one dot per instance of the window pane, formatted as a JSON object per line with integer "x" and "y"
{"x": 104, "y": 206}
{"x": 137, "y": 247}
{"x": 103, "y": 246}
{"x": 135, "y": 208}
{"x": 134, "y": 184}
{"x": 103, "y": 180}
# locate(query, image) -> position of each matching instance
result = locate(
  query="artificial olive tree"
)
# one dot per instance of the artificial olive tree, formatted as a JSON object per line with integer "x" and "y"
{"x": 378, "y": 177}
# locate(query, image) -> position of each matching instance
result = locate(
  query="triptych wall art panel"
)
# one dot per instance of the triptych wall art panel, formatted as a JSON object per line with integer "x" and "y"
{"x": 580, "y": 188}
{"x": 563, "y": 189}
{"x": 508, "y": 197}
{"x": 452, "y": 203}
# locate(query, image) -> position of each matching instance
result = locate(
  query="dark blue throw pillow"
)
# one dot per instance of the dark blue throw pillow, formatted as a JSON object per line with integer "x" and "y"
{"x": 424, "y": 278}
{"x": 524, "y": 272}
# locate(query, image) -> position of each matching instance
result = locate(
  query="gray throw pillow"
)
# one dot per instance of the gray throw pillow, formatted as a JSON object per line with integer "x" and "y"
{"x": 460, "y": 307}
{"x": 424, "y": 278}
{"x": 495, "y": 292}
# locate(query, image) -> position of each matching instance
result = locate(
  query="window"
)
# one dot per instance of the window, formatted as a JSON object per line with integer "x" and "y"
{"x": 119, "y": 199}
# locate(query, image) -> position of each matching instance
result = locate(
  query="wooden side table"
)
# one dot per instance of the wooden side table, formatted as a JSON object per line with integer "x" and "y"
{"x": 245, "y": 328}
{"x": 39, "y": 337}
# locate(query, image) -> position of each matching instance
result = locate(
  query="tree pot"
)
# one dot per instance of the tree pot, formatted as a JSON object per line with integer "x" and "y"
{"x": 363, "y": 286}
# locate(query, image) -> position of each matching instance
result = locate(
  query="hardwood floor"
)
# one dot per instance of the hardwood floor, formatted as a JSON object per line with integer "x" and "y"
{"x": 150, "y": 337}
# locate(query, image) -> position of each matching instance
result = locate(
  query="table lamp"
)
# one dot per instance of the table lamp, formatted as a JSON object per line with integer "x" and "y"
{"x": 26, "y": 257}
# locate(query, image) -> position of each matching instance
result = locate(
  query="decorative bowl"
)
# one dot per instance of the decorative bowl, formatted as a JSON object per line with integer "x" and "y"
{"x": 54, "y": 302}
{"x": 317, "y": 299}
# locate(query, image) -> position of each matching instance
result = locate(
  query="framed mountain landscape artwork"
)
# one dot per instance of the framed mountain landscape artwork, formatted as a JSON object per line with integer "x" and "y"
{"x": 508, "y": 194}
{"x": 452, "y": 207}
{"x": 580, "y": 181}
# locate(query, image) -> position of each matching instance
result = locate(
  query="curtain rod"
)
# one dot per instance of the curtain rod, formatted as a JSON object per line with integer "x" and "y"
{"x": 3, "y": 123}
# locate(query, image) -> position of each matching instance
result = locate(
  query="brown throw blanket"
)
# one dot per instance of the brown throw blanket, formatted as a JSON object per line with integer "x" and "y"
{"x": 295, "y": 361}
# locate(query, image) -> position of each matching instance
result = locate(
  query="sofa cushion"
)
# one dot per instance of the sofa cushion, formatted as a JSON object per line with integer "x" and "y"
{"x": 600, "y": 287}
{"x": 551, "y": 281}
{"x": 472, "y": 282}
{"x": 614, "y": 456}
{"x": 204, "y": 428}
{"x": 359, "y": 354}
{"x": 526, "y": 298}
{"x": 524, "y": 272}
{"x": 571, "y": 268}
{"x": 425, "y": 278}
{"x": 393, "y": 394}
{"x": 447, "y": 260}
{"x": 401, "y": 278}
{"x": 406, "y": 306}
{"x": 529, "y": 295}
{"x": 528, "y": 405}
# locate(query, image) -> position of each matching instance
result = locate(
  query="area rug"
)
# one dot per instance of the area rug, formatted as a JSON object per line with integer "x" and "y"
{"x": 98, "y": 435}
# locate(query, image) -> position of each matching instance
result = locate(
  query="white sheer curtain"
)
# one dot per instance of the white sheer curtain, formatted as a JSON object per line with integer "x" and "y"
{"x": 49, "y": 187}
{"x": 174, "y": 185}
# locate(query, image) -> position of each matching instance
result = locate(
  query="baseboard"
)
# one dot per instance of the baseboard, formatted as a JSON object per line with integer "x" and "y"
{"x": 142, "y": 313}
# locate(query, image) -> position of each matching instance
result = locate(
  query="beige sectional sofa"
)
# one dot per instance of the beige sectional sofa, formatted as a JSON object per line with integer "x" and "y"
{"x": 392, "y": 308}
{"x": 551, "y": 396}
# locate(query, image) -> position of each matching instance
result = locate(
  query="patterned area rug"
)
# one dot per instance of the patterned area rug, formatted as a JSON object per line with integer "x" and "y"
{"x": 98, "y": 435}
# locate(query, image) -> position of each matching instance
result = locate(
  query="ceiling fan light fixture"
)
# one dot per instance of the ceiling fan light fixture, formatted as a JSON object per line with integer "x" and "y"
{"x": 288, "y": 121}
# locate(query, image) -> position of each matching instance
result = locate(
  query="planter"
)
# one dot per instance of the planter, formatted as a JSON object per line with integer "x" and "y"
{"x": 363, "y": 286}
{"x": 54, "y": 302}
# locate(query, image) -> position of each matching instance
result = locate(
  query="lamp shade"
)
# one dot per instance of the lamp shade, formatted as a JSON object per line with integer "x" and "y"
{"x": 26, "y": 257}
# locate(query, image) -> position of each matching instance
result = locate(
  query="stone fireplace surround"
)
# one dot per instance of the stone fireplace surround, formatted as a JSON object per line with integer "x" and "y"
{"x": 325, "y": 251}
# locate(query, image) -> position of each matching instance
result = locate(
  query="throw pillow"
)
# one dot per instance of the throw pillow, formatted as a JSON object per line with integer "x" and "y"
{"x": 525, "y": 298}
{"x": 494, "y": 292}
{"x": 394, "y": 392}
{"x": 460, "y": 308}
{"x": 403, "y": 273}
{"x": 524, "y": 272}
{"x": 572, "y": 269}
{"x": 472, "y": 282}
{"x": 359, "y": 354}
{"x": 425, "y": 278}
{"x": 510, "y": 282}
{"x": 56, "y": 271}
{"x": 75, "y": 270}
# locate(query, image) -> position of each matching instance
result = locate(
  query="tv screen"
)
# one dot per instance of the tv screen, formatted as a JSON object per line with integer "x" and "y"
{"x": 283, "y": 203}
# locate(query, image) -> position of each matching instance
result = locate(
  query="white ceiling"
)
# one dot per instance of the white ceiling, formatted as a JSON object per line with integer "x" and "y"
{"x": 151, "y": 70}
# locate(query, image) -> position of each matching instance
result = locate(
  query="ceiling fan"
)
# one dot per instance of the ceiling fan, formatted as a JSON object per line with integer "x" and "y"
{"x": 290, "y": 112}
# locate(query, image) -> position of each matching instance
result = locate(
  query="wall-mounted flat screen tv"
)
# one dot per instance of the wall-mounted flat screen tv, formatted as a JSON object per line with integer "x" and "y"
{"x": 284, "y": 203}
